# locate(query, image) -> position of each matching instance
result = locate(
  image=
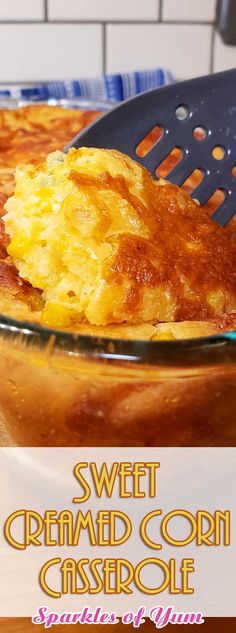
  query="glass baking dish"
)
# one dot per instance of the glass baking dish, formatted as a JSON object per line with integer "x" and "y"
{"x": 83, "y": 104}
{"x": 62, "y": 389}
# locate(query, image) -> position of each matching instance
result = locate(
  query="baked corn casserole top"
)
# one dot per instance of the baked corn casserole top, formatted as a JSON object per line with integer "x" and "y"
{"x": 91, "y": 242}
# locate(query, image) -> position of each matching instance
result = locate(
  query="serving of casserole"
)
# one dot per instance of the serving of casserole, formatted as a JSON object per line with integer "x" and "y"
{"x": 116, "y": 291}
{"x": 165, "y": 267}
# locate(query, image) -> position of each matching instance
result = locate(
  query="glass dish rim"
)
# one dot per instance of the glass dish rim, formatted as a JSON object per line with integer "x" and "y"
{"x": 20, "y": 102}
{"x": 190, "y": 352}
{"x": 205, "y": 350}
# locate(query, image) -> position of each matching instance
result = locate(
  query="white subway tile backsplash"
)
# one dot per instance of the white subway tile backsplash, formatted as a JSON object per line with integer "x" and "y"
{"x": 224, "y": 55}
{"x": 183, "y": 49}
{"x": 50, "y": 51}
{"x": 103, "y": 9}
{"x": 21, "y": 10}
{"x": 70, "y": 42}
{"x": 192, "y": 10}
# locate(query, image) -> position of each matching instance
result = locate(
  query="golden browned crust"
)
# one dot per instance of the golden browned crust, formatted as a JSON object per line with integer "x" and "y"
{"x": 185, "y": 252}
{"x": 192, "y": 181}
{"x": 197, "y": 253}
{"x": 27, "y": 135}
{"x": 132, "y": 250}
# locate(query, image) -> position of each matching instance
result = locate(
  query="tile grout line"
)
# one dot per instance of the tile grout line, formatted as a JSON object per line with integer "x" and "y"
{"x": 113, "y": 22}
{"x": 104, "y": 48}
{"x": 212, "y": 49}
{"x": 45, "y": 10}
{"x": 160, "y": 10}
{"x": 21, "y": 83}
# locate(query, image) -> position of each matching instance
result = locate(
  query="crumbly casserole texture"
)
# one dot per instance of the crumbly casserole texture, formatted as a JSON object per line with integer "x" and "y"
{"x": 29, "y": 133}
{"x": 90, "y": 242}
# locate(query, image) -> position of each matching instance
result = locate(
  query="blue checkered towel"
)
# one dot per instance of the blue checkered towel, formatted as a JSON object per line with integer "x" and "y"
{"x": 108, "y": 87}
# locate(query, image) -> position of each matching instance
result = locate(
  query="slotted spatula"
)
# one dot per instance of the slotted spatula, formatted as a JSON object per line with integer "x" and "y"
{"x": 208, "y": 103}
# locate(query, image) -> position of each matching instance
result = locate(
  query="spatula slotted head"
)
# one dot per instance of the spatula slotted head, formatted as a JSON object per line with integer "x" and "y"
{"x": 197, "y": 117}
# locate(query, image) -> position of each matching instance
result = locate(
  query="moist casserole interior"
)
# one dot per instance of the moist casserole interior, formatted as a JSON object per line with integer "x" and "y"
{"x": 199, "y": 279}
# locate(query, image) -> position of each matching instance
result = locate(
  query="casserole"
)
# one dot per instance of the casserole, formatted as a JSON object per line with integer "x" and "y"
{"x": 68, "y": 389}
